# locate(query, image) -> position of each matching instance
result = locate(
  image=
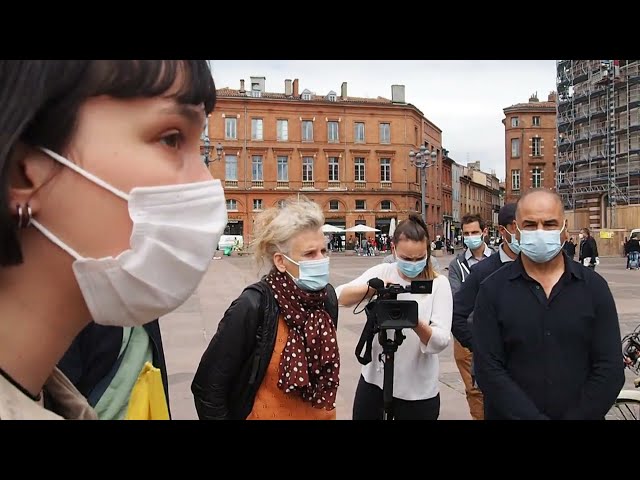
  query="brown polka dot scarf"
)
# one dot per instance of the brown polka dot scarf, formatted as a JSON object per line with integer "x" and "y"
{"x": 310, "y": 362}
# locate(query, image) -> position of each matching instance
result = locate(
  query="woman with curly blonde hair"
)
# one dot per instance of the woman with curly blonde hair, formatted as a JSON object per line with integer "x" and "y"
{"x": 275, "y": 353}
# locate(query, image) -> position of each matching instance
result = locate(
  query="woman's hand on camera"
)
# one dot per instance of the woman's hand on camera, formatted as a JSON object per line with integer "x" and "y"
{"x": 424, "y": 331}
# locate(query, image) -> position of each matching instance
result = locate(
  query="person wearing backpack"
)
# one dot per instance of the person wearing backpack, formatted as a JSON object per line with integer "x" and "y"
{"x": 275, "y": 353}
{"x": 473, "y": 230}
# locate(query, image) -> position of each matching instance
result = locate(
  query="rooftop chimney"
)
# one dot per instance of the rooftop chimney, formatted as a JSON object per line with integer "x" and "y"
{"x": 343, "y": 93}
{"x": 241, "y": 86}
{"x": 288, "y": 88}
{"x": 257, "y": 84}
{"x": 534, "y": 98}
{"x": 397, "y": 93}
{"x": 552, "y": 97}
{"x": 295, "y": 88}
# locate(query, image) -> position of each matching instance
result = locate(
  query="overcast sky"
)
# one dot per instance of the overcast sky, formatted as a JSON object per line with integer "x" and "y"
{"x": 463, "y": 98}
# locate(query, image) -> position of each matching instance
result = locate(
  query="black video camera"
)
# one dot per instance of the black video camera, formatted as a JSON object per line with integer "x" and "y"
{"x": 388, "y": 312}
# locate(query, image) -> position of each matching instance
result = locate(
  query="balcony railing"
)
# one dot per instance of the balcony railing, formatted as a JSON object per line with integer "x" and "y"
{"x": 334, "y": 184}
{"x": 360, "y": 185}
{"x": 281, "y": 184}
{"x": 231, "y": 183}
{"x": 257, "y": 184}
{"x": 308, "y": 184}
{"x": 386, "y": 185}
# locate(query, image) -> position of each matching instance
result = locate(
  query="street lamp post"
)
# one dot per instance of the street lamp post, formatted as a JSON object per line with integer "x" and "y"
{"x": 205, "y": 148}
{"x": 421, "y": 160}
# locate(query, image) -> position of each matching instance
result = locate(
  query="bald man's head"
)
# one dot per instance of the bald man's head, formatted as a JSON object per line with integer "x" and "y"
{"x": 540, "y": 197}
{"x": 540, "y": 209}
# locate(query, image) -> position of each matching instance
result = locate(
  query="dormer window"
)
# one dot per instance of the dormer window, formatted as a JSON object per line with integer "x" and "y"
{"x": 306, "y": 95}
{"x": 332, "y": 96}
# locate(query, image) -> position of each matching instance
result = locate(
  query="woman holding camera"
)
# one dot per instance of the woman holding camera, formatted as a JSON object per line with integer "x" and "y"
{"x": 415, "y": 385}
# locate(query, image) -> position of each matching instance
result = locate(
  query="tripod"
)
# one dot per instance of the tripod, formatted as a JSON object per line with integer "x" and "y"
{"x": 389, "y": 348}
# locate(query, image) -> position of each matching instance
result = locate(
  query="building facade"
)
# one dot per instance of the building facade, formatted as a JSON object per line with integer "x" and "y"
{"x": 348, "y": 154}
{"x": 598, "y": 170}
{"x": 480, "y": 194}
{"x": 530, "y": 146}
{"x": 447, "y": 198}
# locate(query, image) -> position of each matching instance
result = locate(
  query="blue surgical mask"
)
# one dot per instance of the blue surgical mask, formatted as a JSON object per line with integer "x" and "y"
{"x": 411, "y": 269}
{"x": 473, "y": 241}
{"x": 540, "y": 246}
{"x": 314, "y": 274}
{"x": 514, "y": 245}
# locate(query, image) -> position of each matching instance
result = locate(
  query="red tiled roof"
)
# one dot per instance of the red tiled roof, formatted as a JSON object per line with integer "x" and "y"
{"x": 229, "y": 92}
{"x": 532, "y": 106}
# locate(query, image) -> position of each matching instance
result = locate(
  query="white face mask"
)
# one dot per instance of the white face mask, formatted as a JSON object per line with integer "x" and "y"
{"x": 176, "y": 229}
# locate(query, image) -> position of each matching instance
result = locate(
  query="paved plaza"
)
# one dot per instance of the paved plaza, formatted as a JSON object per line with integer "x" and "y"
{"x": 187, "y": 331}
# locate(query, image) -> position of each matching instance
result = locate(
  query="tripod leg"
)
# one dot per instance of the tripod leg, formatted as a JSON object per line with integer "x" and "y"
{"x": 387, "y": 389}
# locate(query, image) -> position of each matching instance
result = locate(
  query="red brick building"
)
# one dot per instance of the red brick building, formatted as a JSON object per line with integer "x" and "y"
{"x": 349, "y": 154}
{"x": 530, "y": 146}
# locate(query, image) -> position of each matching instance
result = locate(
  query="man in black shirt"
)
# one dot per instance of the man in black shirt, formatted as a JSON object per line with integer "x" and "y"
{"x": 545, "y": 332}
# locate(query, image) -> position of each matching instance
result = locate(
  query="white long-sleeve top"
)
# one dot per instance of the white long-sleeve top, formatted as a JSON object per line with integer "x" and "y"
{"x": 416, "y": 364}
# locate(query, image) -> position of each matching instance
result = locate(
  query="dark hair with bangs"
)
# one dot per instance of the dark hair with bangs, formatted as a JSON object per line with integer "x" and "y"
{"x": 39, "y": 102}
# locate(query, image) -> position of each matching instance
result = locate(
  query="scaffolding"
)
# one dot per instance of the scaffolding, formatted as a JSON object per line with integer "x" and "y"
{"x": 598, "y": 122}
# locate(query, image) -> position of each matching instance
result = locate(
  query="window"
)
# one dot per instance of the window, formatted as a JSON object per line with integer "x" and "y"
{"x": 515, "y": 147}
{"x": 281, "y": 203}
{"x": 283, "y": 169}
{"x": 385, "y": 205}
{"x": 232, "y": 205}
{"x": 359, "y": 132}
{"x": 515, "y": 121}
{"x": 334, "y": 169}
{"x": 307, "y": 131}
{"x": 515, "y": 179}
{"x": 257, "y": 204}
{"x": 231, "y": 167}
{"x": 282, "y": 127}
{"x": 307, "y": 169}
{"x": 360, "y": 205}
{"x": 536, "y": 147}
{"x": 306, "y": 95}
{"x": 360, "y": 172}
{"x": 332, "y": 132}
{"x": 256, "y": 129}
{"x": 385, "y": 169}
{"x": 256, "y": 168}
{"x": 536, "y": 177}
{"x": 536, "y": 121}
{"x": 230, "y": 128}
{"x": 332, "y": 97}
{"x": 561, "y": 177}
{"x": 334, "y": 205}
{"x": 385, "y": 133}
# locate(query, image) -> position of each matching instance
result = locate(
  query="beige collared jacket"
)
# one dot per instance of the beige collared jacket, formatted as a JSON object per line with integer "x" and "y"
{"x": 70, "y": 404}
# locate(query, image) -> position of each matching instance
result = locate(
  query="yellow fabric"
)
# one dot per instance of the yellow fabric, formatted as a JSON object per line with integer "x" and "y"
{"x": 148, "y": 401}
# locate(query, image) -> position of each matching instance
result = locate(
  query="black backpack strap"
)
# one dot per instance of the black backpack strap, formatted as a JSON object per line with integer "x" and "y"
{"x": 256, "y": 351}
{"x": 331, "y": 304}
{"x": 366, "y": 337}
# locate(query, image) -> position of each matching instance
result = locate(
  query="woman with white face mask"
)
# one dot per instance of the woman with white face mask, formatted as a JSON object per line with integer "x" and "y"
{"x": 275, "y": 353}
{"x": 415, "y": 387}
{"x": 107, "y": 212}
